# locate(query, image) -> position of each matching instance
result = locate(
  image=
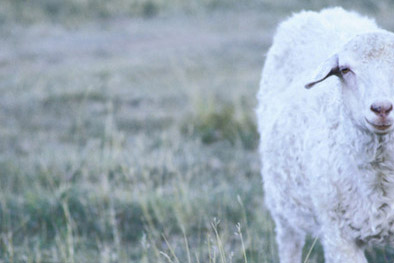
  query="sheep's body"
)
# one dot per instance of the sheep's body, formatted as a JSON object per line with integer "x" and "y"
{"x": 322, "y": 174}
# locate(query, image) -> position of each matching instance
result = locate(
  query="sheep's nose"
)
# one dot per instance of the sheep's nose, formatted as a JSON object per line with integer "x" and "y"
{"x": 382, "y": 108}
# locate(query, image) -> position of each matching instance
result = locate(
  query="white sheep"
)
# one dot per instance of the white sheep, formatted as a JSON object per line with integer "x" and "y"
{"x": 328, "y": 152}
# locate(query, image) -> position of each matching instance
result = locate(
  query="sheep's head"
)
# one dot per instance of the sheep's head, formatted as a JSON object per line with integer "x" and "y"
{"x": 365, "y": 67}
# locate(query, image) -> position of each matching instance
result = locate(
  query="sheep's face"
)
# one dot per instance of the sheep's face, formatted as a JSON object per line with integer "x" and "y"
{"x": 365, "y": 67}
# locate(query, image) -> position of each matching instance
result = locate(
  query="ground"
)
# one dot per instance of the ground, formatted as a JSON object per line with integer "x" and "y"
{"x": 132, "y": 138}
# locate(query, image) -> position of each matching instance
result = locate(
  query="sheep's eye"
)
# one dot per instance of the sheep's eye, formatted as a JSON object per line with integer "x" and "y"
{"x": 345, "y": 70}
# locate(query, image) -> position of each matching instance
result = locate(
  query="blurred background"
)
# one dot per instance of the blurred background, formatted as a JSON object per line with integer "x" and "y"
{"x": 128, "y": 131}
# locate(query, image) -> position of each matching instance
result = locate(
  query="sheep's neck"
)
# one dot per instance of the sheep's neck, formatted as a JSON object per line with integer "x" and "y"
{"x": 380, "y": 153}
{"x": 382, "y": 165}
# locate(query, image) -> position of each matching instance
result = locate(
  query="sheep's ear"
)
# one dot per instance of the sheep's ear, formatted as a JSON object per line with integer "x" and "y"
{"x": 328, "y": 68}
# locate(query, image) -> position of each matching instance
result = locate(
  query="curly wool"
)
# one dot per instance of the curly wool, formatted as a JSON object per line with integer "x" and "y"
{"x": 324, "y": 174}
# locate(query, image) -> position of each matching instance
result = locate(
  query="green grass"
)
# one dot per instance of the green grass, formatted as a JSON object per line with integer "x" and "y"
{"x": 141, "y": 150}
{"x": 217, "y": 121}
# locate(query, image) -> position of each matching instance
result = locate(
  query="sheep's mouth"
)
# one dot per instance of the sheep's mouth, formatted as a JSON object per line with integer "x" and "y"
{"x": 380, "y": 127}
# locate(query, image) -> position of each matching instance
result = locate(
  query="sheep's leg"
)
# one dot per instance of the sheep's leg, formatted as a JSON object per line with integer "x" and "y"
{"x": 338, "y": 250}
{"x": 290, "y": 244}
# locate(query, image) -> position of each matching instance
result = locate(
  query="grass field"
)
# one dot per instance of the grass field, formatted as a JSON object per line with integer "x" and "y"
{"x": 128, "y": 131}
